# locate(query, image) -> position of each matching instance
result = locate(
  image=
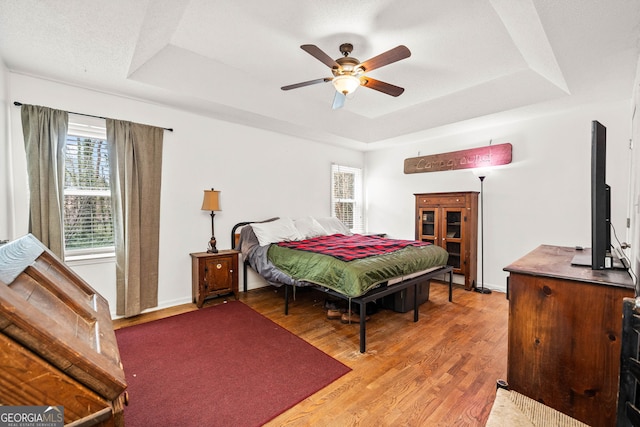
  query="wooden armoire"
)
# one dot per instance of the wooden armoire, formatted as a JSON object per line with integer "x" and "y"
{"x": 57, "y": 343}
{"x": 450, "y": 220}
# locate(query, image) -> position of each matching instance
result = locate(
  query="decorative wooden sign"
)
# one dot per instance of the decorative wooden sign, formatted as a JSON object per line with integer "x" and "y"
{"x": 491, "y": 155}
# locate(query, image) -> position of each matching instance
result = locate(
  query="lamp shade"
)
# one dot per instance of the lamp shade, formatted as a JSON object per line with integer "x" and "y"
{"x": 346, "y": 83}
{"x": 211, "y": 200}
{"x": 482, "y": 172}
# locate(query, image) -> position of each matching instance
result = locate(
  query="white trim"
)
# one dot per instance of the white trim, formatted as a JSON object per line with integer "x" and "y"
{"x": 88, "y": 259}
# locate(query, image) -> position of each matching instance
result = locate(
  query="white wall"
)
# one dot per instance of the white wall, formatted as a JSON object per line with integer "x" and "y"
{"x": 5, "y": 173}
{"x": 542, "y": 197}
{"x": 634, "y": 205}
{"x": 260, "y": 174}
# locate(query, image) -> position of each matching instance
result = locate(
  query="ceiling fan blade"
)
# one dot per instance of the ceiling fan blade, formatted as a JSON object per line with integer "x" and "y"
{"x": 386, "y": 58}
{"x": 381, "y": 86}
{"x": 307, "y": 83}
{"x": 338, "y": 100}
{"x": 317, "y": 53}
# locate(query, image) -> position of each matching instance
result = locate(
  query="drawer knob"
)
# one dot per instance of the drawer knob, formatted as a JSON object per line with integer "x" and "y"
{"x": 218, "y": 266}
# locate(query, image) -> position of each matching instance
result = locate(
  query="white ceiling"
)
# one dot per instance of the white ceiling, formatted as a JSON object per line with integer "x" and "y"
{"x": 228, "y": 59}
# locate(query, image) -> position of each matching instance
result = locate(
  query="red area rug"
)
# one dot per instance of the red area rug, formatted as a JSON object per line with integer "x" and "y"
{"x": 224, "y": 365}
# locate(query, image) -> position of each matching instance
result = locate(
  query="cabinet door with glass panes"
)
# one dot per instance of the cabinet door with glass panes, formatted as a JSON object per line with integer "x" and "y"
{"x": 429, "y": 225}
{"x": 450, "y": 220}
{"x": 453, "y": 236}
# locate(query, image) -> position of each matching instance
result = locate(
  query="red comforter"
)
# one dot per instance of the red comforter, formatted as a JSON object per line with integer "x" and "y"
{"x": 349, "y": 248}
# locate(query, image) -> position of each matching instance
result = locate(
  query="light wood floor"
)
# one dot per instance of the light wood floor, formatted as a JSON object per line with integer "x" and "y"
{"x": 440, "y": 371}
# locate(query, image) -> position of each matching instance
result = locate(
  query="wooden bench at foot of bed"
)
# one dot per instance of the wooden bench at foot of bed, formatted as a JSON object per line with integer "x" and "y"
{"x": 382, "y": 291}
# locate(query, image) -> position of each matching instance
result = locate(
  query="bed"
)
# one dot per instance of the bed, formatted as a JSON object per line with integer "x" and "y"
{"x": 322, "y": 253}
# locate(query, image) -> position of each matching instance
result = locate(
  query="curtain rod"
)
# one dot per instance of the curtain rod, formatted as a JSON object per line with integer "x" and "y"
{"x": 18, "y": 104}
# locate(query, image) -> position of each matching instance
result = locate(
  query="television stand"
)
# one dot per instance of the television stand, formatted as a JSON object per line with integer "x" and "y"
{"x": 565, "y": 332}
{"x": 612, "y": 262}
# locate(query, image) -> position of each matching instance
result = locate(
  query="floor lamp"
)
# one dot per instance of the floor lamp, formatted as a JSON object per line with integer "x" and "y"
{"x": 482, "y": 290}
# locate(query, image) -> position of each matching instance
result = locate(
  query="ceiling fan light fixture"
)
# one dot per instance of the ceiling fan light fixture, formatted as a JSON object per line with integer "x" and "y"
{"x": 346, "y": 83}
{"x": 349, "y": 73}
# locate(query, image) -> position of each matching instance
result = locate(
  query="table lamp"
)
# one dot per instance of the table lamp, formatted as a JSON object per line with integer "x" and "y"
{"x": 211, "y": 203}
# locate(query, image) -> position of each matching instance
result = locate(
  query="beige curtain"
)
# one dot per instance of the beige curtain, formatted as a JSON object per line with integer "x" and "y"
{"x": 45, "y": 135}
{"x": 135, "y": 153}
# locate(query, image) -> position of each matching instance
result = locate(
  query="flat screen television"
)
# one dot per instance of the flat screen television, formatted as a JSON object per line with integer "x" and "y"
{"x": 600, "y": 200}
{"x": 601, "y": 254}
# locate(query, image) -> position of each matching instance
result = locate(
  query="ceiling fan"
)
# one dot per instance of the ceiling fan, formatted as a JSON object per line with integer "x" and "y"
{"x": 349, "y": 73}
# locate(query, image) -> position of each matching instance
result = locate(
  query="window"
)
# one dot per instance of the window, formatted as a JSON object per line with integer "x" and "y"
{"x": 346, "y": 196}
{"x": 87, "y": 219}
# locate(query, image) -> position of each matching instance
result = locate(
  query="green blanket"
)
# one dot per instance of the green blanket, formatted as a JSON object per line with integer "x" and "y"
{"x": 355, "y": 278}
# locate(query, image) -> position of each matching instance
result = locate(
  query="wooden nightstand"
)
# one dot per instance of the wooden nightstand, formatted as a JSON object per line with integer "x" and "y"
{"x": 214, "y": 275}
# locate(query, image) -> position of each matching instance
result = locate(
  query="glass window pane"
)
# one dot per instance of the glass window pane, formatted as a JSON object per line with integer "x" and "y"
{"x": 344, "y": 212}
{"x": 344, "y": 185}
{"x": 347, "y": 196}
{"x": 87, "y": 217}
{"x": 87, "y": 222}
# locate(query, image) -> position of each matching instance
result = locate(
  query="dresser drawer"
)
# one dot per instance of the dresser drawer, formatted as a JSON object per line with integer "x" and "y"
{"x": 440, "y": 201}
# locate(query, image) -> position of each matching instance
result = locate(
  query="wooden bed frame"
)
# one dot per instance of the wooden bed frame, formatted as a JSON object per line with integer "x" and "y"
{"x": 372, "y": 295}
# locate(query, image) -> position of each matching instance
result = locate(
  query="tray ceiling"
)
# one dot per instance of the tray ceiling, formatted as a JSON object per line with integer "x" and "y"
{"x": 470, "y": 60}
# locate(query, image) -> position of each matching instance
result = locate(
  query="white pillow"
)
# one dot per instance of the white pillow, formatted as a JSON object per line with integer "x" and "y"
{"x": 308, "y": 227}
{"x": 334, "y": 226}
{"x": 280, "y": 230}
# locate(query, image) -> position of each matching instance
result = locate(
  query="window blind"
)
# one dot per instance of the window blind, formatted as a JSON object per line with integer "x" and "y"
{"x": 88, "y": 222}
{"x": 346, "y": 196}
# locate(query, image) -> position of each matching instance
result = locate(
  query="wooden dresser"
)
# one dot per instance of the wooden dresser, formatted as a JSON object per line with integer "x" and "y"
{"x": 57, "y": 344}
{"x": 565, "y": 326}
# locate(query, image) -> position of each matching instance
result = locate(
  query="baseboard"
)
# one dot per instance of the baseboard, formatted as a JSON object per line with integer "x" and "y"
{"x": 164, "y": 305}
